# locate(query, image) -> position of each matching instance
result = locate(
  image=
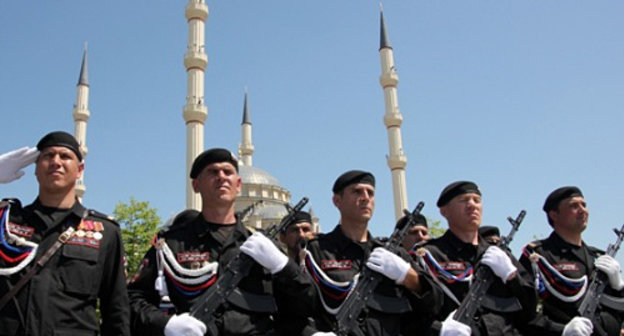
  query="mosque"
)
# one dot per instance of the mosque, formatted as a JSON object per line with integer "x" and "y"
{"x": 263, "y": 200}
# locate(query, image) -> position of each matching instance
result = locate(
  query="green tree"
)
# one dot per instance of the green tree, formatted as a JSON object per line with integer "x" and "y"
{"x": 139, "y": 223}
{"x": 435, "y": 229}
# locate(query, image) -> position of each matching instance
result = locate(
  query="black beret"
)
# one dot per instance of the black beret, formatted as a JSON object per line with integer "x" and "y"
{"x": 487, "y": 231}
{"x": 552, "y": 201}
{"x": 302, "y": 216}
{"x": 351, "y": 177}
{"x": 212, "y": 156}
{"x": 62, "y": 139}
{"x": 420, "y": 220}
{"x": 456, "y": 189}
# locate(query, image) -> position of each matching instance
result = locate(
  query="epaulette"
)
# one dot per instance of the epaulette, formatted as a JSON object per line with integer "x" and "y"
{"x": 13, "y": 201}
{"x": 101, "y": 215}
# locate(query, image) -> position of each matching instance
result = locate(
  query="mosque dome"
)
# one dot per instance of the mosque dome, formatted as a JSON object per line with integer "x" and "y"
{"x": 255, "y": 175}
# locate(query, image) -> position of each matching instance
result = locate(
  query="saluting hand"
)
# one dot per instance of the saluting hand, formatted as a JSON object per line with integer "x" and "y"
{"x": 11, "y": 163}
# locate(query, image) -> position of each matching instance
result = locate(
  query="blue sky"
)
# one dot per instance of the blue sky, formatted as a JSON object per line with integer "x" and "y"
{"x": 519, "y": 96}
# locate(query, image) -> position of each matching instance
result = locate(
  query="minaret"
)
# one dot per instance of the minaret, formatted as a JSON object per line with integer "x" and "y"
{"x": 393, "y": 119}
{"x": 246, "y": 148}
{"x": 195, "y": 112}
{"x": 81, "y": 115}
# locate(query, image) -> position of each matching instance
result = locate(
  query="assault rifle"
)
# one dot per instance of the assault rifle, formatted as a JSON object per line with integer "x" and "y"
{"x": 235, "y": 271}
{"x": 347, "y": 316}
{"x": 483, "y": 279}
{"x": 599, "y": 281}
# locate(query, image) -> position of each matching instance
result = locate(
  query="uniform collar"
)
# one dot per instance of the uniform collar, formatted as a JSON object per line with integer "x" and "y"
{"x": 201, "y": 228}
{"x": 563, "y": 245}
{"x": 339, "y": 239}
{"x": 41, "y": 211}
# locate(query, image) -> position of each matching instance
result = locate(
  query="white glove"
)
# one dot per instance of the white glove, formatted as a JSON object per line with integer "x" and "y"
{"x": 578, "y": 326}
{"x": 184, "y": 325}
{"x": 499, "y": 262}
{"x": 12, "y": 162}
{"x": 264, "y": 252}
{"x": 388, "y": 264}
{"x": 611, "y": 268}
{"x": 322, "y": 333}
{"x": 451, "y": 327}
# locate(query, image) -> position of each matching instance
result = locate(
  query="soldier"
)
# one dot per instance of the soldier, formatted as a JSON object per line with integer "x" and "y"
{"x": 416, "y": 235}
{"x": 335, "y": 259}
{"x": 563, "y": 264}
{"x": 297, "y": 235}
{"x": 67, "y": 257}
{"x": 187, "y": 259}
{"x": 452, "y": 259}
{"x": 491, "y": 234}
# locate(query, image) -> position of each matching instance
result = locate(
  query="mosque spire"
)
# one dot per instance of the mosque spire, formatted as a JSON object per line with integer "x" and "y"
{"x": 81, "y": 116}
{"x": 397, "y": 160}
{"x": 384, "y": 41}
{"x": 246, "y": 148}
{"x": 195, "y": 112}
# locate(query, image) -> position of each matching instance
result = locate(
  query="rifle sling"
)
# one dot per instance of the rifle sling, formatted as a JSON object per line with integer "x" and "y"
{"x": 62, "y": 239}
{"x": 615, "y": 303}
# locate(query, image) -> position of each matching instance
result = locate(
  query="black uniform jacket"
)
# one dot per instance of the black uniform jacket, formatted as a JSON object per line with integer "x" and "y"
{"x": 573, "y": 262}
{"x": 456, "y": 257}
{"x": 61, "y": 298}
{"x": 339, "y": 258}
{"x": 196, "y": 238}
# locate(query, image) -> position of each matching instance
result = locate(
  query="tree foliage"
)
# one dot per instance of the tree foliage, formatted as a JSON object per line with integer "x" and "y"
{"x": 435, "y": 229}
{"x": 139, "y": 223}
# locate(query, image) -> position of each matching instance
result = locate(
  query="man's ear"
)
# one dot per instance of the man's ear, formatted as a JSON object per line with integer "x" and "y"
{"x": 195, "y": 185}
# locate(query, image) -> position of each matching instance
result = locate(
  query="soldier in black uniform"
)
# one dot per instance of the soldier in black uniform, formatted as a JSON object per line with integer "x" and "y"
{"x": 335, "y": 259}
{"x": 416, "y": 234}
{"x": 187, "y": 259}
{"x": 297, "y": 235}
{"x": 563, "y": 264}
{"x": 61, "y": 297}
{"x": 452, "y": 259}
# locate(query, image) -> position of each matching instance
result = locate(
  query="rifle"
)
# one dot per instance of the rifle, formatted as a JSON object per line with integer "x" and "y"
{"x": 483, "y": 279}
{"x": 347, "y": 316}
{"x": 235, "y": 271}
{"x": 599, "y": 281}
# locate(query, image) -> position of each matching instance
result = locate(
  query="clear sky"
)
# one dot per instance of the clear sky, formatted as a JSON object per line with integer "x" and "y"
{"x": 521, "y": 97}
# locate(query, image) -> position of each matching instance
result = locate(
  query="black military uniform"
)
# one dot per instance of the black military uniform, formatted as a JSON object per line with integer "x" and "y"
{"x": 563, "y": 270}
{"x": 333, "y": 260}
{"x": 453, "y": 261}
{"x": 198, "y": 244}
{"x": 61, "y": 298}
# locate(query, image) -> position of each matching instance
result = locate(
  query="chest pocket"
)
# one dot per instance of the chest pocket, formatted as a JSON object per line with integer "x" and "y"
{"x": 78, "y": 269}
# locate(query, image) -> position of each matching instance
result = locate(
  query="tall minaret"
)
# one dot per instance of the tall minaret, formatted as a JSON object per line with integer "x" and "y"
{"x": 195, "y": 112}
{"x": 246, "y": 148}
{"x": 81, "y": 115}
{"x": 393, "y": 119}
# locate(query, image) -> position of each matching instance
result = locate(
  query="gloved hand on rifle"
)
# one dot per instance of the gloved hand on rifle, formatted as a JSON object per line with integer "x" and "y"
{"x": 388, "y": 264}
{"x": 184, "y": 325}
{"x": 611, "y": 268}
{"x": 11, "y": 163}
{"x": 578, "y": 326}
{"x": 499, "y": 262}
{"x": 450, "y": 327}
{"x": 264, "y": 252}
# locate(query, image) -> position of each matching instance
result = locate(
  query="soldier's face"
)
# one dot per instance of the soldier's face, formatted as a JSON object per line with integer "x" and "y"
{"x": 463, "y": 212}
{"x": 57, "y": 169}
{"x": 415, "y": 235}
{"x": 218, "y": 182}
{"x": 356, "y": 202}
{"x": 297, "y": 233}
{"x": 572, "y": 214}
